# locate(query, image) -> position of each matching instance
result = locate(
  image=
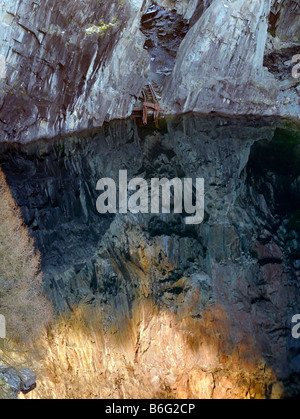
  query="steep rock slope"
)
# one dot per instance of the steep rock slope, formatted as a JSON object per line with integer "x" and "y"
{"x": 286, "y": 23}
{"x": 219, "y": 65}
{"x": 231, "y": 282}
{"x": 72, "y": 66}
{"x": 61, "y": 78}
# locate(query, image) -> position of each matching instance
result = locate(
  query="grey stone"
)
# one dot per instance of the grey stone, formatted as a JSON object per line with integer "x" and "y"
{"x": 219, "y": 65}
{"x": 241, "y": 256}
{"x": 13, "y": 381}
{"x": 28, "y": 379}
{"x": 60, "y": 79}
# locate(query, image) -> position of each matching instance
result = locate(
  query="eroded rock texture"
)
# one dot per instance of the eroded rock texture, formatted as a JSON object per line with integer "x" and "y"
{"x": 223, "y": 293}
{"x": 62, "y": 79}
{"x": 164, "y": 30}
{"x": 13, "y": 381}
{"x": 185, "y": 8}
{"x": 286, "y": 20}
{"x": 219, "y": 65}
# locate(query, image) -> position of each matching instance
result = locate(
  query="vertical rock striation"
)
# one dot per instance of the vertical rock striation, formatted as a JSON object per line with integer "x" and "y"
{"x": 287, "y": 25}
{"x": 223, "y": 292}
{"x": 72, "y": 66}
{"x": 61, "y": 78}
{"x": 219, "y": 65}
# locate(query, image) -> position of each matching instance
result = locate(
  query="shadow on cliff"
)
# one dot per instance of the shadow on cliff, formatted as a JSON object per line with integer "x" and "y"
{"x": 217, "y": 298}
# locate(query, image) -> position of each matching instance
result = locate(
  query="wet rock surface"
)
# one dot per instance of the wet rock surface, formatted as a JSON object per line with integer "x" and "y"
{"x": 242, "y": 262}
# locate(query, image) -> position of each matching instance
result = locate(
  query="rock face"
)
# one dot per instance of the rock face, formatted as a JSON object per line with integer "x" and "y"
{"x": 184, "y": 8}
{"x": 219, "y": 65}
{"x": 223, "y": 292}
{"x": 164, "y": 31}
{"x": 179, "y": 311}
{"x": 72, "y": 66}
{"x": 61, "y": 78}
{"x": 286, "y": 20}
{"x": 13, "y": 382}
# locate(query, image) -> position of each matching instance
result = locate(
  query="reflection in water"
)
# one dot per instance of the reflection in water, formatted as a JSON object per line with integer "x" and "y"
{"x": 242, "y": 261}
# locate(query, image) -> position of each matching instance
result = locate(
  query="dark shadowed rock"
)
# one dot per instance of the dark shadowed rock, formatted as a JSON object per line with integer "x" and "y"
{"x": 242, "y": 261}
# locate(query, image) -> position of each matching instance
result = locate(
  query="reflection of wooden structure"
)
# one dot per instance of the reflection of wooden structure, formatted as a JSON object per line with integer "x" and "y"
{"x": 150, "y": 102}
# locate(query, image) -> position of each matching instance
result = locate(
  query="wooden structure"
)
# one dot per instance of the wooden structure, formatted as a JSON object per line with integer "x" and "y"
{"x": 150, "y": 103}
